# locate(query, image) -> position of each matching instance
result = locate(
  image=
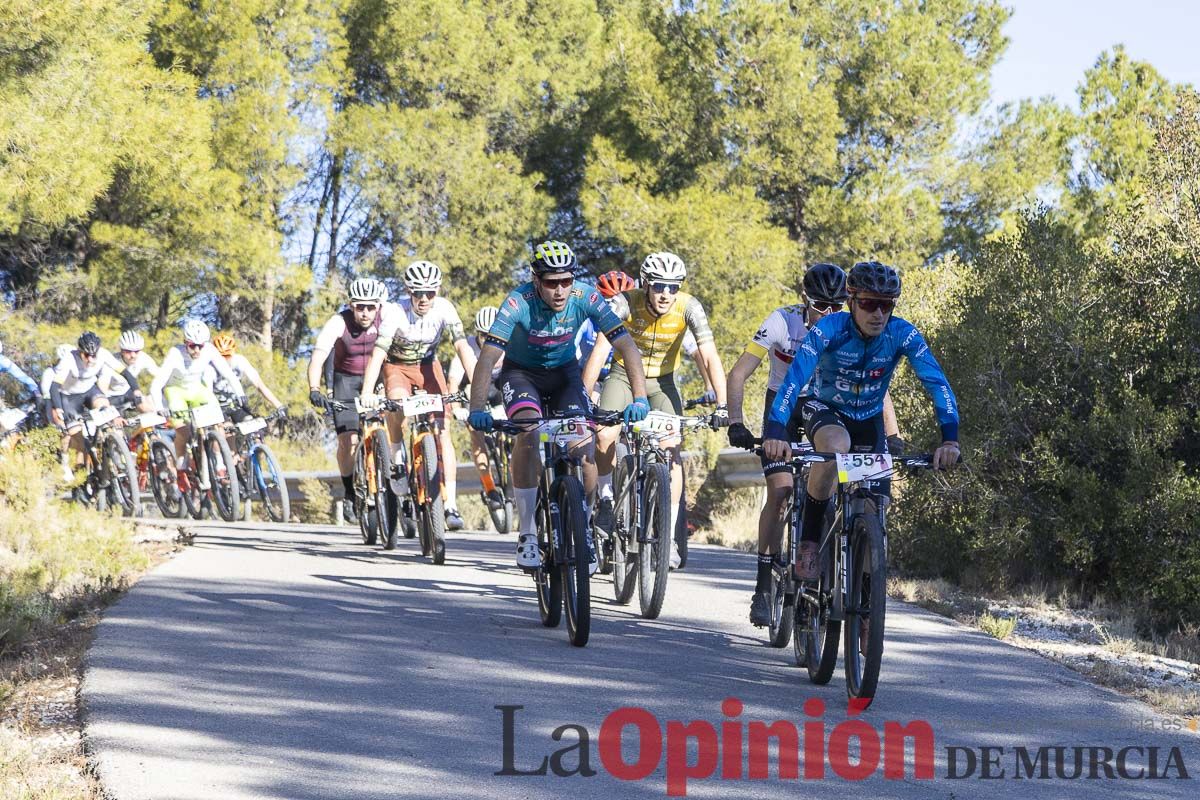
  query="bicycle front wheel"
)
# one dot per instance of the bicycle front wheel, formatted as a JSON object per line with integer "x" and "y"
{"x": 548, "y": 577}
{"x": 499, "y": 511}
{"x": 385, "y": 501}
{"x": 624, "y": 562}
{"x": 435, "y": 503}
{"x": 654, "y": 554}
{"x": 576, "y": 577}
{"x": 222, "y": 478}
{"x": 164, "y": 480}
{"x": 364, "y": 504}
{"x": 867, "y": 600}
{"x": 268, "y": 480}
{"x": 122, "y": 475}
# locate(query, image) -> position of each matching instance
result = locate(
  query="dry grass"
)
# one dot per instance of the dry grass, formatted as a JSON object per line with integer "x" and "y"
{"x": 938, "y": 596}
{"x": 997, "y": 627}
{"x": 735, "y": 523}
{"x": 318, "y": 502}
{"x": 59, "y": 565}
{"x": 303, "y": 455}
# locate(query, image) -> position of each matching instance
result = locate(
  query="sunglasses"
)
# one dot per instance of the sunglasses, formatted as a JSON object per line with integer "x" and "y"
{"x": 364, "y": 306}
{"x": 824, "y": 307}
{"x": 556, "y": 283}
{"x": 871, "y": 305}
{"x": 667, "y": 288}
{"x": 193, "y": 345}
{"x": 423, "y": 295}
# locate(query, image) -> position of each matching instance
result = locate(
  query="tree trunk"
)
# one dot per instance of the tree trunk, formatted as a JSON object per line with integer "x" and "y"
{"x": 164, "y": 308}
{"x": 334, "y": 216}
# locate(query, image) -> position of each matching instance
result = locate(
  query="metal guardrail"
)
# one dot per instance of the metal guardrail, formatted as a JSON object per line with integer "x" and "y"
{"x": 735, "y": 469}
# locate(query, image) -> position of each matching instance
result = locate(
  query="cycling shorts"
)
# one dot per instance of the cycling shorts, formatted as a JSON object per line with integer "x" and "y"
{"x": 346, "y": 388}
{"x": 404, "y": 379}
{"x": 661, "y": 391}
{"x": 557, "y": 389}
{"x": 866, "y": 435}
{"x": 182, "y": 399}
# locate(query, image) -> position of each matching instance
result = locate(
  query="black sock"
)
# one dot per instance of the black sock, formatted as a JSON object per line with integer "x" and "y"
{"x": 814, "y": 518}
{"x": 763, "y": 582}
{"x": 348, "y": 485}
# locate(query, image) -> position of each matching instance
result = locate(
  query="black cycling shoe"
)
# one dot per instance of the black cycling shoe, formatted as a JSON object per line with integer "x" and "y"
{"x": 494, "y": 499}
{"x": 760, "y": 609}
{"x": 348, "y": 514}
{"x": 454, "y": 520}
{"x": 603, "y": 518}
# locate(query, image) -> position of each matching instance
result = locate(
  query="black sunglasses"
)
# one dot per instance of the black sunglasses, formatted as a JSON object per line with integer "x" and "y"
{"x": 556, "y": 283}
{"x": 365, "y": 306}
{"x": 871, "y": 305}
{"x": 659, "y": 287}
{"x": 423, "y": 295}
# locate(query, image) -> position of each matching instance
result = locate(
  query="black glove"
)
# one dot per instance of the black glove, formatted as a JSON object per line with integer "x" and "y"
{"x": 896, "y": 446}
{"x": 720, "y": 417}
{"x": 317, "y": 399}
{"x": 282, "y": 412}
{"x": 740, "y": 436}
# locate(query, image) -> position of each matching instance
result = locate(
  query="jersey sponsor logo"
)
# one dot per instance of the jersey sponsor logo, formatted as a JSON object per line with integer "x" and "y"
{"x": 761, "y": 335}
{"x": 550, "y": 338}
{"x": 577, "y": 293}
{"x": 786, "y": 356}
{"x": 808, "y": 348}
{"x": 875, "y": 373}
{"x": 593, "y": 297}
{"x": 512, "y": 303}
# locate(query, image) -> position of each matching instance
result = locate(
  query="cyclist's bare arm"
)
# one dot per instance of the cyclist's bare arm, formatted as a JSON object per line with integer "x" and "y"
{"x": 714, "y": 370}
{"x": 374, "y": 367}
{"x": 632, "y": 359}
{"x": 595, "y": 362}
{"x": 735, "y": 384}
{"x": 890, "y": 426}
{"x": 465, "y": 355}
{"x": 481, "y": 377}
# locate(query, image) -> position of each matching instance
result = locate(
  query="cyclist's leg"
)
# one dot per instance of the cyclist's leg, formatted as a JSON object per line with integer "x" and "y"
{"x": 567, "y": 397}
{"x": 664, "y": 396}
{"x": 398, "y": 382}
{"x": 346, "y": 425}
{"x": 778, "y": 475}
{"x": 433, "y": 380}
{"x": 522, "y": 393}
{"x": 177, "y": 410}
{"x": 827, "y": 432}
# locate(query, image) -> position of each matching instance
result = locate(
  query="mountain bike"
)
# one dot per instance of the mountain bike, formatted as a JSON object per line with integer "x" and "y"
{"x": 420, "y": 470}
{"x": 259, "y": 475}
{"x": 210, "y": 475}
{"x": 562, "y": 580}
{"x": 498, "y": 446}
{"x": 851, "y": 589}
{"x": 374, "y": 503}
{"x": 154, "y": 457}
{"x": 640, "y": 545}
{"x": 111, "y": 474}
{"x": 13, "y": 422}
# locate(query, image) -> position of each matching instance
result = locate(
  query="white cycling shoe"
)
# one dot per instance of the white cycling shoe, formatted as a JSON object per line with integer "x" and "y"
{"x": 675, "y": 559}
{"x": 529, "y": 556}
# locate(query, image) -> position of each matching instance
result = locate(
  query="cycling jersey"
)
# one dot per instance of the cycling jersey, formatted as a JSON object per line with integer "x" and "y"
{"x": 535, "y": 336}
{"x": 8, "y": 367}
{"x": 780, "y": 335}
{"x": 410, "y": 338}
{"x": 182, "y": 371}
{"x": 351, "y": 345}
{"x": 660, "y": 338}
{"x": 229, "y": 392}
{"x": 72, "y": 376}
{"x": 852, "y": 374}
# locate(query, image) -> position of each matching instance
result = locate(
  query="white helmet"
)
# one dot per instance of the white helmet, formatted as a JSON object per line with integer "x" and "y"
{"x": 663, "y": 267}
{"x": 195, "y": 331}
{"x": 553, "y": 256}
{"x": 422, "y": 276}
{"x": 63, "y": 351}
{"x": 131, "y": 340}
{"x": 367, "y": 289}
{"x": 485, "y": 317}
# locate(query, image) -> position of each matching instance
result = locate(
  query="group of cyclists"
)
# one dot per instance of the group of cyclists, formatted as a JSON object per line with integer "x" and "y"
{"x": 564, "y": 344}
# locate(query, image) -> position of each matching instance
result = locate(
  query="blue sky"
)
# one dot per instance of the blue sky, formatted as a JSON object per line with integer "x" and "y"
{"x": 1052, "y": 43}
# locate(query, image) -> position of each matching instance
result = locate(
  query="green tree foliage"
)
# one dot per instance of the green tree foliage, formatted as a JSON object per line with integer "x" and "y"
{"x": 1081, "y": 427}
{"x": 110, "y": 194}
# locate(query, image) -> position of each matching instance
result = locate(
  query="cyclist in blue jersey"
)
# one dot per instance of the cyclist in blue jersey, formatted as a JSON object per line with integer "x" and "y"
{"x": 849, "y": 357}
{"x": 9, "y": 367}
{"x": 535, "y": 332}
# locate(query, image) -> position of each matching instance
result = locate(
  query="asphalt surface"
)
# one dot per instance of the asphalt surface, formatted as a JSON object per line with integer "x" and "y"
{"x": 295, "y": 662}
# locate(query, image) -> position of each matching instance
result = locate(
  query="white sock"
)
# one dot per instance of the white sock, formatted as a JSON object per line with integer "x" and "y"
{"x": 396, "y": 450}
{"x": 527, "y": 510}
{"x": 604, "y": 483}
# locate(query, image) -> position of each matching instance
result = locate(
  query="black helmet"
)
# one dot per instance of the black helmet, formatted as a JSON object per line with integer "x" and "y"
{"x": 873, "y": 277}
{"x": 89, "y": 343}
{"x": 825, "y": 283}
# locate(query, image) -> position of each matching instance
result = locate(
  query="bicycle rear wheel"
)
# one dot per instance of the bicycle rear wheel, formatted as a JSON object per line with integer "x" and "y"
{"x": 497, "y": 466}
{"x": 624, "y": 562}
{"x": 576, "y": 578}
{"x": 867, "y": 598}
{"x": 654, "y": 554}
{"x": 268, "y": 479}
{"x": 681, "y": 520}
{"x": 222, "y": 479}
{"x": 816, "y": 637}
{"x": 547, "y": 578}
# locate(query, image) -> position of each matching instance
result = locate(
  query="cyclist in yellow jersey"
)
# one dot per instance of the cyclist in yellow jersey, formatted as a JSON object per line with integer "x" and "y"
{"x": 658, "y": 316}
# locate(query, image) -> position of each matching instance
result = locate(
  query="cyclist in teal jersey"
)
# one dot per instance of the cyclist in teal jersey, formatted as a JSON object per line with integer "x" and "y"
{"x": 535, "y": 333}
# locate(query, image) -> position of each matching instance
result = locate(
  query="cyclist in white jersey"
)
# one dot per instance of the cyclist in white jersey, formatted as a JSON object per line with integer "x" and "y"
{"x": 119, "y": 391}
{"x": 406, "y": 352}
{"x": 75, "y": 387}
{"x": 179, "y": 386}
{"x": 459, "y": 379}
{"x": 780, "y": 334}
{"x": 228, "y": 394}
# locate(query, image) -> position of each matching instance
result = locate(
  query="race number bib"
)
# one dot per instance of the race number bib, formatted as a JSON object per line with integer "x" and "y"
{"x": 151, "y": 420}
{"x": 658, "y": 422}
{"x": 207, "y": 415}
{"x": 863, "y": 466}
{"x": 10, "y": 418}
{"x": 102, "y": 416}
{"x": 565, "y": 431}
{"x": 253, "y": 425}
{"x": 418, "y": 404}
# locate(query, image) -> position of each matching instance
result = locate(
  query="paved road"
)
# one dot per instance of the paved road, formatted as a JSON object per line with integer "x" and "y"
{"x": 293, "y": 662}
